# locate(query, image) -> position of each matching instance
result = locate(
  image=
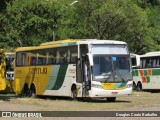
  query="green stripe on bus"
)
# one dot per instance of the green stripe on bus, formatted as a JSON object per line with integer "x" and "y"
{"x": 53, "y": 77}
{"x": 135, "y": 73}
{"x": 61, "y": 76}
{"x": 145, "y": 72}
{"x": 122, "y": 85}
{"x": 156, "y": 72}
{"x": 148, "y": 79}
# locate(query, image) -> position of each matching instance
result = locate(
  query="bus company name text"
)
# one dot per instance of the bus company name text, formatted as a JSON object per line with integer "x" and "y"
{"x": 38, "y": 70}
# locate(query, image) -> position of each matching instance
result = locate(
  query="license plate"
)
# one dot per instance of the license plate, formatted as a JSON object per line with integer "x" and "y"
{"x": 114, "y": 93}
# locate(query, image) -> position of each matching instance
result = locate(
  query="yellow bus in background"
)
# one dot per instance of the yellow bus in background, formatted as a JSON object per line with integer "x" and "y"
{"x": 6, "y": 71}
{"x": 74, "y": 68}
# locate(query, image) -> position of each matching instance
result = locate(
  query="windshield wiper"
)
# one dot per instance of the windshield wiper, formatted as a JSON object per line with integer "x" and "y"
{"x": 120, "y": 76}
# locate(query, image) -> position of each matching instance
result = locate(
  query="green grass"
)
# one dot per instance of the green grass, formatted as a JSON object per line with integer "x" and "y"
{"x": 137, "y": 99}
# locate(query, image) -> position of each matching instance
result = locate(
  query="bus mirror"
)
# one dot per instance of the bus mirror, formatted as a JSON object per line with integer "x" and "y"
{"x": 135, "y": 60}
{"x": 138, "y": 60}
{"x": 90, "y": 59}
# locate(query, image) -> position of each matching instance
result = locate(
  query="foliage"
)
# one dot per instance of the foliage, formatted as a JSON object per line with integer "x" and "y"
{"x": 31, "y": 22}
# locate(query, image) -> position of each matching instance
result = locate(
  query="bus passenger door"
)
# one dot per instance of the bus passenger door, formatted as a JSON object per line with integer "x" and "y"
{"x": 83, "y": 70}
{"x": 86, "y": 76}
{"x": 79, "y": 79}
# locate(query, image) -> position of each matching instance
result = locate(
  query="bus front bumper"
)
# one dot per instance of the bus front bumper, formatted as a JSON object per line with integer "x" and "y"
{"x": 101, "y": 93}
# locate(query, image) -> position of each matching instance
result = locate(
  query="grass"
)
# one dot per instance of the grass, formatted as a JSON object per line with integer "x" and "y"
{"x": 137, "y": 99}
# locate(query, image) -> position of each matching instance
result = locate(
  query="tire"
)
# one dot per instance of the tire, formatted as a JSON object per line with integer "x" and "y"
{"x": 25, "y": 91}
{"x": 134, "y": 86}
{"x": 33, "y": 92}
{"x": 73, "y": 94}
{"x": 111, "y": 99}
{"x": 139, "y": 86}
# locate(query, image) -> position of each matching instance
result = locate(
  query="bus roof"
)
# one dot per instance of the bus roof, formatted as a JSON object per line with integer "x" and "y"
{"x": 151, "y": 54}
{"x": 83, "y": 41}
{"x": 70, "y": 42}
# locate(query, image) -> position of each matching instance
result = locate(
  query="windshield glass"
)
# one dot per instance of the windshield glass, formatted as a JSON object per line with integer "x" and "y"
{"x": 108, "y": 68}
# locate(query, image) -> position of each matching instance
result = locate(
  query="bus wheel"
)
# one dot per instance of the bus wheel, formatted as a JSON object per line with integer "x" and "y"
{"x": 134, "y": 86}
{"x": 32, "y": 91}
{"x": 73, "y": 92}
{"x": 25, "y": 90}
{"x": 111, "y": 99}
{"x": 139, "y": 86}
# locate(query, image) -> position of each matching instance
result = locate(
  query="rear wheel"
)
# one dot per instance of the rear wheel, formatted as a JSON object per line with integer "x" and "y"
{"x": 33, "y": 92}
{"x": 111, "y": 99}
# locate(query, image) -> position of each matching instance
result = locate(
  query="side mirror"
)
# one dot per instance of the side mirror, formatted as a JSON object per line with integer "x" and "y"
{"x": 90, "y": 57}
{"x": 135, "y": 60}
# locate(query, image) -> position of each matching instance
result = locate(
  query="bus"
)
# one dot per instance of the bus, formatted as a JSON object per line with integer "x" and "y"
{"x": 146, "y": 75}
{"x": 82, "y": 68}
{"x": 6, "y": 71}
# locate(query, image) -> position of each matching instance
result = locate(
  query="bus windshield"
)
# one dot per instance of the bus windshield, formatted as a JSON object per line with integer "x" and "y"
{"x": 109, "y": 68}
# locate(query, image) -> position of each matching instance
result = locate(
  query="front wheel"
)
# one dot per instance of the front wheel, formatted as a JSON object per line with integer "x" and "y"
{"x": 134, "y": 86}
{"x": 73, "y": 94}
{"x": 139, "y": 87}
{"x": 111, "y": 99}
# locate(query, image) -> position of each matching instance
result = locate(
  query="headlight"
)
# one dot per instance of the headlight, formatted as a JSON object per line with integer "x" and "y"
{"x": 96, "y": 86}
{"x": 129, "y": 85}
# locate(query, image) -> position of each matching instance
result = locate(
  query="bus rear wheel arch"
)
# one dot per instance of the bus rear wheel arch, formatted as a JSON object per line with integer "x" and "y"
{"x": 33, "y": 91}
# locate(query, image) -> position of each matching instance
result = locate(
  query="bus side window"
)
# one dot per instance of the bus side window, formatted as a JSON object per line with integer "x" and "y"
{"x": 73, "y": 54}
{"x": 154, "y": 62}
{"x": 73, "y": 57}
{"x": 57, "y": 56}
{"x": 158, "y": 63}
{"x": 33, "y": 61}
{"x": 64, "y": 57}
{"x": 148, "y": 64}
{"x": 143, "y": 63}
{"x": 51, "y": 56}
{"x": 40, "y": 61}
{"x": 42, "y": 58}
{"x": 19, "y": 59}
{"x": 23, "y": 59}
{"x": 68, "y": 56}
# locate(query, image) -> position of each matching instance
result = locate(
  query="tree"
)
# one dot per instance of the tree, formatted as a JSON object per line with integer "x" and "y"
{"x": 32, "y": 23}
{"x": 119, "y": 20}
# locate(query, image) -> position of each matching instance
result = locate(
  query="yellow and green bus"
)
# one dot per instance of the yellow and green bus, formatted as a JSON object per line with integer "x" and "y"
{"x": 79, "y": 68}
{"x": 6, "y": 71}
{"x": 146, "y": 72}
